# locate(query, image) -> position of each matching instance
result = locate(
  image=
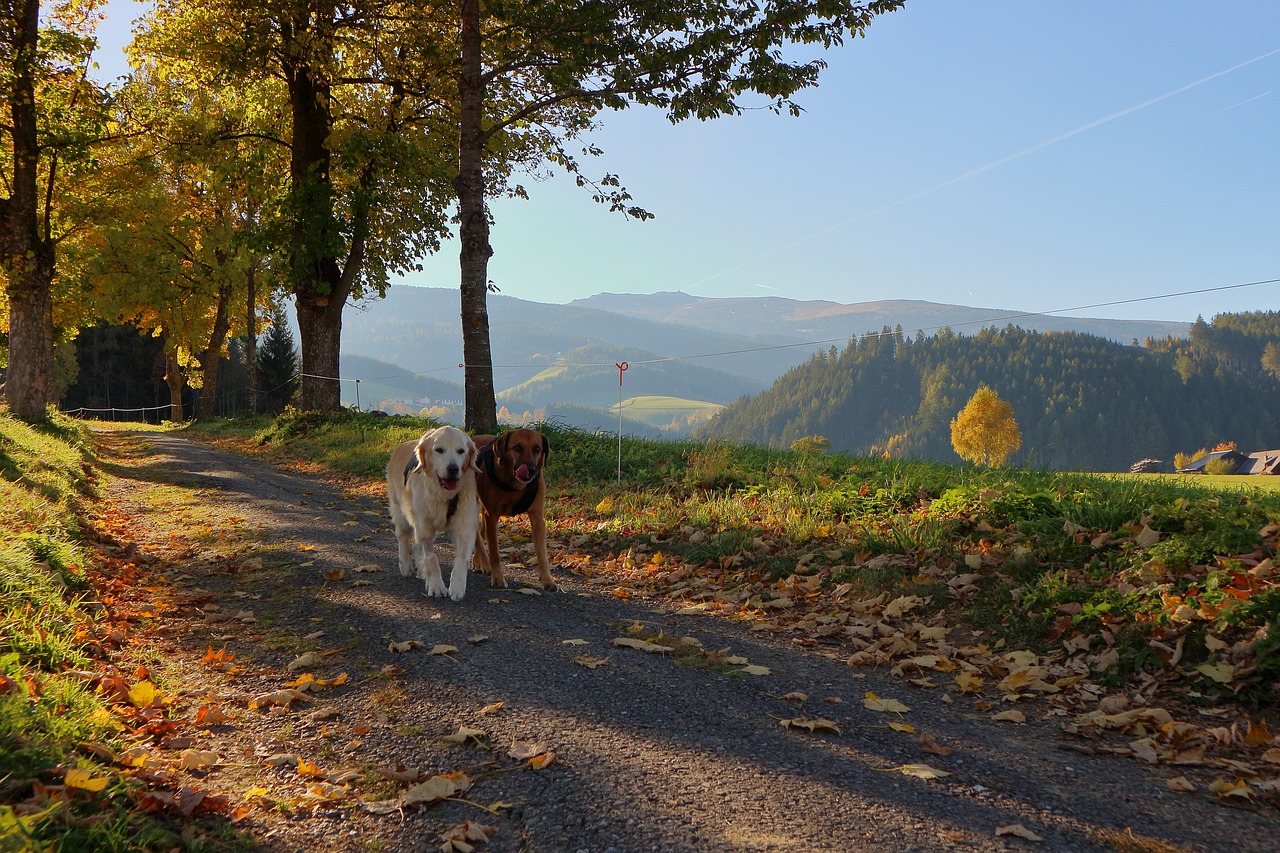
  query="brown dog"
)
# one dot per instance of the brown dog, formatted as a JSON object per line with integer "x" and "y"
{"x": 510, "y": 483}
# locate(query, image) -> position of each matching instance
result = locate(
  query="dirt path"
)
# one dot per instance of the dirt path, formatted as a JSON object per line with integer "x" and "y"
{"x": 648, "y": 754}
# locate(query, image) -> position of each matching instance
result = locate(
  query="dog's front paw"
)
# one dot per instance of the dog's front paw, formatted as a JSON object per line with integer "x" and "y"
{"x": 551, "y": 586}
{"x": 406, "y": 568}
{"x": 437, "y": 589}
{"x": 499, "y": 583}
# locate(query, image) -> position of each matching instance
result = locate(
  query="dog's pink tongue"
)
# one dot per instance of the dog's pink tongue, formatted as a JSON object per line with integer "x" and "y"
{"x": 523, "y": 472}
{"x": 449, "y": 485}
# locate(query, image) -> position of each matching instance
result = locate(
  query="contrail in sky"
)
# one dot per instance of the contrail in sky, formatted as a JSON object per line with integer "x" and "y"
{"x": 995, "y": 164}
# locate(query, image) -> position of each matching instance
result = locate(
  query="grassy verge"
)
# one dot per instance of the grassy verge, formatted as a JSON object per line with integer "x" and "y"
{"x": 62, "y": 727}
{"x": 1131, "y": 575}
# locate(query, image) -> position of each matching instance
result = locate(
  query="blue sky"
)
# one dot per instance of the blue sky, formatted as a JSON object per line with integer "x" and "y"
{"x": 1014, "y": 154}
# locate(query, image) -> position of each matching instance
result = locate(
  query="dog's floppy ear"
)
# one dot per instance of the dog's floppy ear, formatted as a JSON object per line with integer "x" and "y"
{"x": 500, "y": 448}
{"x": 546, "y": 450}
{"x": 473, "y": 456}
{"x": 424, "y": 446}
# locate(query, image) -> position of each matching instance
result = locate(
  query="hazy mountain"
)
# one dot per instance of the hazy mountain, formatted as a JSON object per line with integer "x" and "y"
{"x": 419, "y": 329}
{"x": 818, "y": 320}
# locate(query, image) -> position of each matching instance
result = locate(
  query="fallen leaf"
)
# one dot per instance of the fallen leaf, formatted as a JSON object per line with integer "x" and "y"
{"x": 1019, "y": 831}
{"x": 367, "y": 567}
{"x": 1011, "y": 716}
{"x": 492, "y": 708}
{"x": 921, "y": 771}
{"x": 1180, "y": 785}
{"x": 815, "y": 725}
{"x": 928, "y": 744}
{"x": 464, "y": 734}
{"x": 642, "y": 645}
{"x": 590, "y": 662}
{"x": 405, "y": 646}
{"x": 528, "y": 590}
{"x": 84, "y": 780}
{"x": 906, "y": 728}
{"x": 443, "y": 649}
{"x": 885, "y": 705}
{"x": 573, "y": 642}
{"x": 143, "y": 694}
{"x": 458, "y": 839}
{"x": 756, "y": 669}
{"x": 796, "y": 696}
{"x": 435, "y": 789}
{"x": 304, "y": 661}
{"x": 197, "y": 759}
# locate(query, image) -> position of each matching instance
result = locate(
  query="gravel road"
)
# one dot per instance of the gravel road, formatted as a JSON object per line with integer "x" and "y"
{"x": 648, "y": 754}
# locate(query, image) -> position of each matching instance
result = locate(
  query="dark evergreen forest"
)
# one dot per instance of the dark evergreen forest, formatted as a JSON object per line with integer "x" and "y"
{"x": 1081, "y": 402}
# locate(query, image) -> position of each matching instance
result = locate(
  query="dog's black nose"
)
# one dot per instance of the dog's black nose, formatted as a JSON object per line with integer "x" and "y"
{"x": 452, "y": 470}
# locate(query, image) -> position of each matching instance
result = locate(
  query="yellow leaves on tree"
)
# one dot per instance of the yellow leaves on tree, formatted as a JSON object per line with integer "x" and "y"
{"x": 985, "y": 431}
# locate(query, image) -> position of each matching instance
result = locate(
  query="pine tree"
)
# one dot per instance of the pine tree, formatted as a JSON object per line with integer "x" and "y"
{"x": 278, "y": 362}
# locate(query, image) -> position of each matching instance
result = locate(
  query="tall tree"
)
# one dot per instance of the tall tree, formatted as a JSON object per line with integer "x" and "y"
{"x": 531, "y": 73}
{"x": 54, "y": 113}
{"x": 354, "y": 87}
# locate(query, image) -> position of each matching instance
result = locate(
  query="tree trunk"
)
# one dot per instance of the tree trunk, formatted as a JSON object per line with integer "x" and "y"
{"x": 320, "y": 289}
{"x": 173, "y": 379}
{"x": 205, "y": 406}
{"x": 27, "y": 256}
{"x": 473, "y": 230}
{"x": 251, "y": 343}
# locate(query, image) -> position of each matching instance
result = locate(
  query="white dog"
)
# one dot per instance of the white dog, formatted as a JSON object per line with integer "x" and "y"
{"x": 431, "y": 488}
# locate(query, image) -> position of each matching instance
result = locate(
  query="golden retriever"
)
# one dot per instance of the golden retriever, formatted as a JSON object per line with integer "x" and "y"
{"x": 510, "y": 483}
{"x": 431, "y": 489}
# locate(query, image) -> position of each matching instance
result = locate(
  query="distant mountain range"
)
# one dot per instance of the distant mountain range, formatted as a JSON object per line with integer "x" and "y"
{"x": 677, "y": 345}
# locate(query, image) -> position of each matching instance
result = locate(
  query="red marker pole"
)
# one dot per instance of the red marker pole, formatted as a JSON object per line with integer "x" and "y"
{"x": 622, "y": 368}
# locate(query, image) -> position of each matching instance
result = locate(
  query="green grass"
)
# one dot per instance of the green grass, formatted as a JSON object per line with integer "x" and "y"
{"x": 657, "y": 411}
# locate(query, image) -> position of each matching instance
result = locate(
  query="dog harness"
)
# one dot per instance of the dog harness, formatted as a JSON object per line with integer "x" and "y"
{"x": 487, "y": 460}
{"x": 413, "y": 466}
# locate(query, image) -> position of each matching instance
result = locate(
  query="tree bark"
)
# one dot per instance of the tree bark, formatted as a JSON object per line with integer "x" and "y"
{"x": 205, "y": 406}
{"x": 473, "y": 230}
{"x": 174, "y": 381}
{"x": 320, "y": 290}
{"x": 251, "y": 343}
{"x": 26, "y": 254}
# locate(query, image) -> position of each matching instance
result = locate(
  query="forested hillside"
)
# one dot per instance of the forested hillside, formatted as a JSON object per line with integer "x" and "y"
{"x": 1081, "y": 402}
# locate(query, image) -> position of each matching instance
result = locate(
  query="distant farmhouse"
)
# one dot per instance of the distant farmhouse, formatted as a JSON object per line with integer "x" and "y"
{"x": 1262, "y": 462}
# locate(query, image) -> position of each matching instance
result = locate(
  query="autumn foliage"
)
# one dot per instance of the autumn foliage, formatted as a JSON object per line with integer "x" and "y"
{"x": 985, "y": 430}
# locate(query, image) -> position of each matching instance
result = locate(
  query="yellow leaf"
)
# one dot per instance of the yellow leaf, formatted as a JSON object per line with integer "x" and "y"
{"x": 85, "y": 780}
{"x": 816, "y": 724}
{"x": 405, "y": 646}
{"x": 968, "y": 682}
{"x": 755, "y": 669}
{"x": 143, "y": 694}
{"x": 443, "y": 649}
{"x": 308, "y": 768}
{"x": 875, "y": 703}
{"x": 1011, "y": 716}
{"x": 605, "y": 505}
{"x": 590, "y": 662}
{"x": 492, "y": 708}
{"x": 1180, "y": 785}
{"x": 921, "y": 771}
{"x": 1224, "y": 788}
{"x": 902, "y": 727}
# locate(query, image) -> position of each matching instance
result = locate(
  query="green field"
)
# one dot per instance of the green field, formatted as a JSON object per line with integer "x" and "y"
{"x": 657, "y": 411}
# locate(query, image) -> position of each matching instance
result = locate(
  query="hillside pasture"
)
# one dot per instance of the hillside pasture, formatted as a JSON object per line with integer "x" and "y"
{"x": 657, "y": 411}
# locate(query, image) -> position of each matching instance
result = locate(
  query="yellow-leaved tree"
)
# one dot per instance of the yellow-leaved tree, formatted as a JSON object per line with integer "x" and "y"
{"x": 985, "y": 430}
